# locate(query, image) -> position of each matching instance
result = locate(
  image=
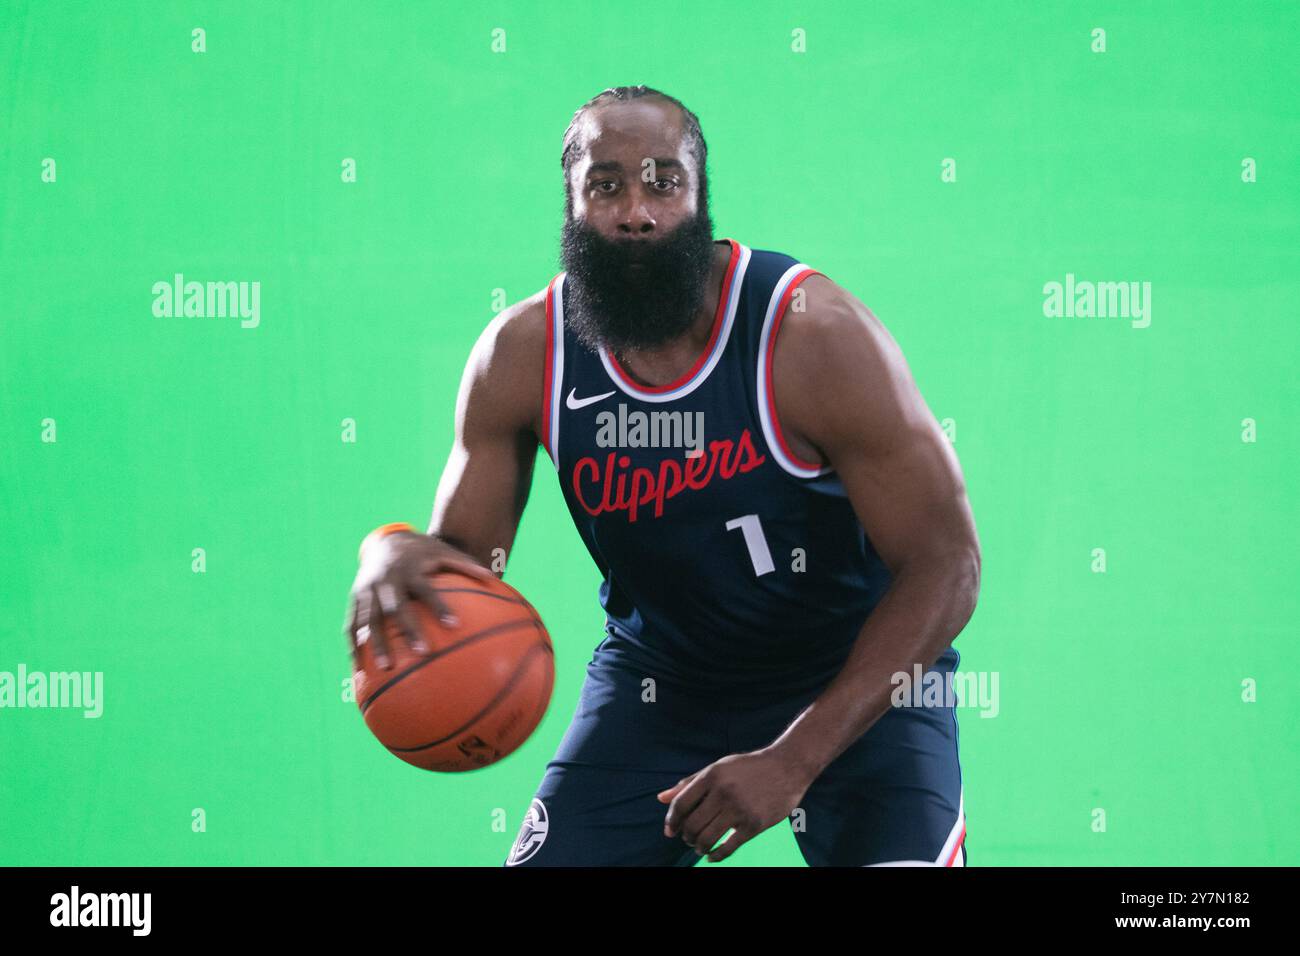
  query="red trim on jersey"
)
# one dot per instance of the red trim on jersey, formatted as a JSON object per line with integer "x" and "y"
{"x": 957, "y": 849}
{"x": 549, "y": 371}
{"x": 723, "y": 301}
{"x": 771, "y": 351}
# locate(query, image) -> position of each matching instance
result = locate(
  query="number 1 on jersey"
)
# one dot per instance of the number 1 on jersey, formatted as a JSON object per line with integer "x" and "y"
{"x": 759, "y": 555}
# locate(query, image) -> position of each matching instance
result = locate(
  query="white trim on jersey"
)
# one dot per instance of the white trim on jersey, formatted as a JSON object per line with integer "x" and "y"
{"x": 733, "y": 301}
{"x": 764, "y": 416}
{"x": 556, "y": 332}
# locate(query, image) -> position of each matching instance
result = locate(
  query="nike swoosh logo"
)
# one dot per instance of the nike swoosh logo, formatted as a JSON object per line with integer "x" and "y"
{"x": 575, "y": 403}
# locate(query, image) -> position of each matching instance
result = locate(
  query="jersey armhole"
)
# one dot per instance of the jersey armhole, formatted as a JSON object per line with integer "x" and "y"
{"x": 776, "y": 307}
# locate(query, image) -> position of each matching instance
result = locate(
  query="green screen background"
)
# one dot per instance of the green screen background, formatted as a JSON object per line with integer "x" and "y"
{"x": 223, "y": 690}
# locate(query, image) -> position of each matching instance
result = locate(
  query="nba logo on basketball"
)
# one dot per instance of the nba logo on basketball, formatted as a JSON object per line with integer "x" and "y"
{"x": 532, "y": 834}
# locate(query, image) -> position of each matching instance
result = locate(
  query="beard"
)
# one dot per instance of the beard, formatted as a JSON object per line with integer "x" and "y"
{"x": 634, "y": 294}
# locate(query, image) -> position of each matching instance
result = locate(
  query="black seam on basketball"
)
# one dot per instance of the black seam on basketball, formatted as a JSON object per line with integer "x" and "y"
{"x": 500, "y": 695}
{"x": 478, "y": 635}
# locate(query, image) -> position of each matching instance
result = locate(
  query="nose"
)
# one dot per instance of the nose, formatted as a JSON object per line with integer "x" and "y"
{"x": 635, "y": 219}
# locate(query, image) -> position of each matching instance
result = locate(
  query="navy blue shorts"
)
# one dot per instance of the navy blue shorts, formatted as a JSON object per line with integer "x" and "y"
{"x": 893, "y": 797}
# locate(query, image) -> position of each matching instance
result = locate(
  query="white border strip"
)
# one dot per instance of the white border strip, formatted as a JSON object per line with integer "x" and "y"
{"x": 556, "y": 331}
{"x": 769, "y": 432}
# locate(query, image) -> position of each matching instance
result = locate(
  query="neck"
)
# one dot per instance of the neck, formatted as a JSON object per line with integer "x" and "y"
{"x": 666, "y": 362}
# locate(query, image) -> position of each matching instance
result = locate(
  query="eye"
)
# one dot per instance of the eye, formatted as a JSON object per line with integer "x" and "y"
{"x": 597, "y": 186}
{"x": 669, "y": 183}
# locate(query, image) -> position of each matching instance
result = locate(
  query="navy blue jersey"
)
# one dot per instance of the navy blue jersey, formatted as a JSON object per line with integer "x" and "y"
{"x": 730, "y": 566}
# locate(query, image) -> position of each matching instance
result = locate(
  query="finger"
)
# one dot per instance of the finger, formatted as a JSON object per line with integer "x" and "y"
{"x": 712, "y": 833}
{"x": 397, "y": 611}
{"x": 378, "y": 632}
{"x": 350, "y": 624}
{"x": 466, "y": 566}
{"x": 411, "y": 628}
{"x": 695, "y": 822}
{"x": 350, "y": 630}
{"x": 666, "y": 795}
{"x": 427, "y": 593}
{"x": 409, "y": 624}
{"x": 738, "y": 836}
{"x": 685, "y": 801}
{"x": 360, "y": 628}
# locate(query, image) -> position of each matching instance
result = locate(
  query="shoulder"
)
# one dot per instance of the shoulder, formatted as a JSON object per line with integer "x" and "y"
{"x": 505, "y": 370}
{"x": 515, "y": 335}
{"x": 837, "y": 372}
{"x": 823, "y": 321}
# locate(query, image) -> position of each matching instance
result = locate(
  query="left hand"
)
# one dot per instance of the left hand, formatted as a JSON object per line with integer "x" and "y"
{"x": 749, "y": 791}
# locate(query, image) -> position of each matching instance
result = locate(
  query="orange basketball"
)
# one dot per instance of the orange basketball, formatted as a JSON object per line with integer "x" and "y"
{"x": 476, "y": 695}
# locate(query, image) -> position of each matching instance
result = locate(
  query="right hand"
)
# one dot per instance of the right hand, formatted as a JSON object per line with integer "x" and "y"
{"x": 396, "y": 568}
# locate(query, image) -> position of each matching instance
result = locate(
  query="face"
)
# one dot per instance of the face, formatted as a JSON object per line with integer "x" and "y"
{"x": 636, "y": 245}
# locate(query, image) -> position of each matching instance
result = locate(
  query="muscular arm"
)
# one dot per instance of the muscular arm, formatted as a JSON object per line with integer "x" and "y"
{"x": 845, "y": 396}
{"x": 485, "y": 483}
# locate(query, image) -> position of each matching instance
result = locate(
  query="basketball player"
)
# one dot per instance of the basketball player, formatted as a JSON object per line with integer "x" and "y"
{"x": 790, "y": 533}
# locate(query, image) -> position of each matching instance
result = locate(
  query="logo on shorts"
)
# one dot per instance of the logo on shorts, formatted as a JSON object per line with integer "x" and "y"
{"x": 531, "y": 835}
